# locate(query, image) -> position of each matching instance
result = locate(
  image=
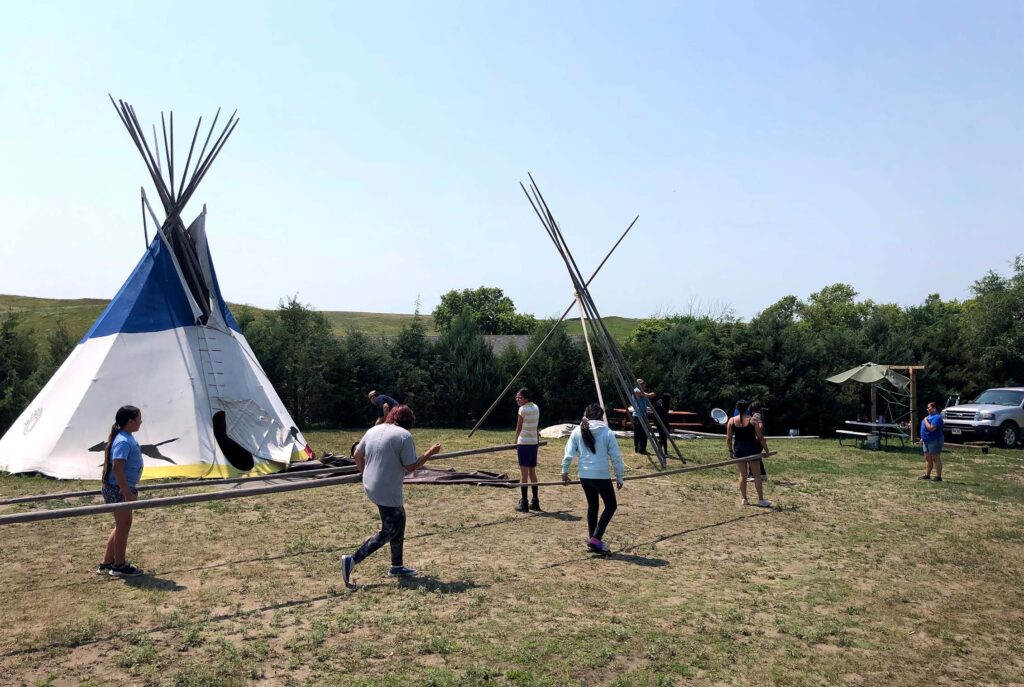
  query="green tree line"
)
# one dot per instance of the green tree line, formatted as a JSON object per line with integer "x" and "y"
{"x": 780, "y": 357}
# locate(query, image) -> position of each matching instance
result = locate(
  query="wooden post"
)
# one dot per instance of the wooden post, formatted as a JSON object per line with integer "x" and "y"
{"x": 913, "y": 406}
{"x": 874, "y": 404}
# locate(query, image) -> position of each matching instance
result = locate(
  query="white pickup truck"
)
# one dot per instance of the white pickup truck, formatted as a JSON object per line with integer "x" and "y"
{"x": 996, "y": 415}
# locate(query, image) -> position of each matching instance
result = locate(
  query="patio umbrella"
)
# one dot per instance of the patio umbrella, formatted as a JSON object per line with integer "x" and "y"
{"x": 870, "y": 373}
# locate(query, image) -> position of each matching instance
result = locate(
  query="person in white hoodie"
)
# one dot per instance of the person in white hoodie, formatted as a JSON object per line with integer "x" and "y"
{"x": 594, "y": 444}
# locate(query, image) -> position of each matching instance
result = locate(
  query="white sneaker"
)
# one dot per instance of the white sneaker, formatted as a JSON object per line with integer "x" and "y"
{"x": 764, "y": 503}
{"x": 744, "y": 502}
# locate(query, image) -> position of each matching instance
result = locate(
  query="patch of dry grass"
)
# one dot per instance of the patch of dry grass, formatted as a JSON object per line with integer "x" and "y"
{"x": 860, "y": 575}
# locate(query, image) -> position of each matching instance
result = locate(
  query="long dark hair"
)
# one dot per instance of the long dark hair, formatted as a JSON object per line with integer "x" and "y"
{"x": 742, "y": 405}
{"x": 593, "y": 412}
{"x": 124, "y": 415}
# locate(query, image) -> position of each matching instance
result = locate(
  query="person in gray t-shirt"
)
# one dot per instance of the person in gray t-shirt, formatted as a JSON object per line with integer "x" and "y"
{"x": 384, "y": 455}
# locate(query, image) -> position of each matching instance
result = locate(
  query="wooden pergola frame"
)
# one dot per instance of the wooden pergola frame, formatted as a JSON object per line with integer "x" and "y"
{"x": 911, "y": 371}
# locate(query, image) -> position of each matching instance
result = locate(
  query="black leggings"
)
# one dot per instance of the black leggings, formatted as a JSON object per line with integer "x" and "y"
{"x": 605, "y": 490}
{"x": 392, "y": 530}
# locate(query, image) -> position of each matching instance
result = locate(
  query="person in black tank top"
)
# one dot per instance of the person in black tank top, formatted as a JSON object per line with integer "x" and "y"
{"x": 744, "y": 438}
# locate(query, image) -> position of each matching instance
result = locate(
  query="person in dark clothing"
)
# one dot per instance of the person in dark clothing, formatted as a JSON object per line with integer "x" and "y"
{"x": 661, "y": 407}
{"x": 639, "y": 410}
{"x": 744, "y": 438}
{"x": 384, "y": 405}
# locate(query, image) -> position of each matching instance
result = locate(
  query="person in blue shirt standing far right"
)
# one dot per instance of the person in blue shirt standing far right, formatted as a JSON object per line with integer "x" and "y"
{"x": 931, "y": 441}
{"x": 122, "y": 470}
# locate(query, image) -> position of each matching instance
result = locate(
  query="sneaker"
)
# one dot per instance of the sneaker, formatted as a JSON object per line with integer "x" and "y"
{"x": 750, "y": 478}
{"x": 936, "y": 479}
{"x": 764, "y": 503}
{"x": 126, "y": 569}
{"x": 744, "y": 502}
{"x": 401, "y": 571}
{"x": 925, "y": 477}
{"x": 597, "y": 546}
{"x": 521, "y": 507}
{"x": 348, "y": 564}
{"x": 535, "y": 504}
{"x": 104, "y": 568}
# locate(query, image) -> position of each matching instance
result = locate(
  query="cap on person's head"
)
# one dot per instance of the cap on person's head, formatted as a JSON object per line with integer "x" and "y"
{"x": 372, "y": 394}
{"x": 639, "y": 381}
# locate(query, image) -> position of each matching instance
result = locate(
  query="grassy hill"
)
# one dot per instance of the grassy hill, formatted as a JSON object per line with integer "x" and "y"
{"x": 41, "y": 314}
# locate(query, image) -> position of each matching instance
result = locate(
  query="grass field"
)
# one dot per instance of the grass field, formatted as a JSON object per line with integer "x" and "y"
{"x": 859, "y": 575}
{"x": 41, "y": 314}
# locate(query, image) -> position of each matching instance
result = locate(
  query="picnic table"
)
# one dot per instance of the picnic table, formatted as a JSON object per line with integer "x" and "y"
{"x": 883, "y": 430}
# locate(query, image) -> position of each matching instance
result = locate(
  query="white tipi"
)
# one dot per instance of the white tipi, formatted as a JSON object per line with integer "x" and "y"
{"x": 168, "y": 344}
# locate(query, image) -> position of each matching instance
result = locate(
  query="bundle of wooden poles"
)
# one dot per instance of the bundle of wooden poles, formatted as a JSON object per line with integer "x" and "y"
{"x": 312, "y": 479}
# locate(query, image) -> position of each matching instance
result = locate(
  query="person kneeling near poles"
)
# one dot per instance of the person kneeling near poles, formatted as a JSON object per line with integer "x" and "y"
{"x": 744, "y": 438}
{"x": 595, "y": 444}
{"x": 384, "y": 455}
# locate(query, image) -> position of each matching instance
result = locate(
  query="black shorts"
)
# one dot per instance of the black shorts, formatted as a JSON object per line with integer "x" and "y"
{"x": 527, "y": 454}
{"x": 112, "y": 493}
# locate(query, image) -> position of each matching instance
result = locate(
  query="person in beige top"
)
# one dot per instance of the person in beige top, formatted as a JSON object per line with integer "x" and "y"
{"x": 527, "y": 443}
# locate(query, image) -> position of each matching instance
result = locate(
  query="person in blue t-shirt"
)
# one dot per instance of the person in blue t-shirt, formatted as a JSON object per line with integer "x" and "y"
{"x": 931, "y": 442}
{"x": 639, "y": 410}
{"x": 384, "y": 405}
{"x": 122, "y": 470}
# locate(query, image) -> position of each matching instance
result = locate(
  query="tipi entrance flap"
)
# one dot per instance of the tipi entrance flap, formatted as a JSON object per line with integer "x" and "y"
{"x": 255, "y": 429}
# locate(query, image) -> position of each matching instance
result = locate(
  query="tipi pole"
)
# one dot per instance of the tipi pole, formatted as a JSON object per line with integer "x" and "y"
{"x": 146, "y": 504}
{"x": 145, "y": 230}
{"x": 159, "y": 486}
{"x": 608, "y": 343}
{"x": 550, "y": 332}
{"x": 590, "y": 353}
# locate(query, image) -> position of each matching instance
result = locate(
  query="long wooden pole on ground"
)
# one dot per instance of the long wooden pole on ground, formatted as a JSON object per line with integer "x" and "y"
{"x": 99, "y": 509}
{"x": 252, "y": 478}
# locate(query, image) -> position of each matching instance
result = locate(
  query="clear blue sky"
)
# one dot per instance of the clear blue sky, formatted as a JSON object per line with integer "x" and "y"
{"x": 764, "y": 145}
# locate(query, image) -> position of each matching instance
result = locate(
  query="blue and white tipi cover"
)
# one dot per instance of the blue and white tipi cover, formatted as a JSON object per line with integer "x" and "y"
{"x": 208, "y": 408}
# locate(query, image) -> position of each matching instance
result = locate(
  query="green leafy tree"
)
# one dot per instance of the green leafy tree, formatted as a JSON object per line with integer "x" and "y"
{"x": 59, "y": 345}
{"x": 468, "y": 373}
{"x": 488, "y": 308}
{"x": 297, "y": 349}
{"x": 415, "y": 369}
{"x": 19, "y": 361}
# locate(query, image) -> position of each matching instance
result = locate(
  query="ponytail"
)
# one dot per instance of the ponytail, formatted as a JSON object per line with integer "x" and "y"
{"x": 125, "y": 414}
{"x": 593, "y": 412}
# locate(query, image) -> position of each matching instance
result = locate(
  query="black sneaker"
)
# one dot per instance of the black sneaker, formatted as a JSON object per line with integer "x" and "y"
{"x": 936, "y": 479}
{"x": 925, "y": 477}
{"x": 521, "y": 507}
{"x": 347, "y": 565}
{"x": 104, "y": 568}
{"x": 126, "y": 569}
{"x": 535, "y": 504}
{"x": 401, "y": 571}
